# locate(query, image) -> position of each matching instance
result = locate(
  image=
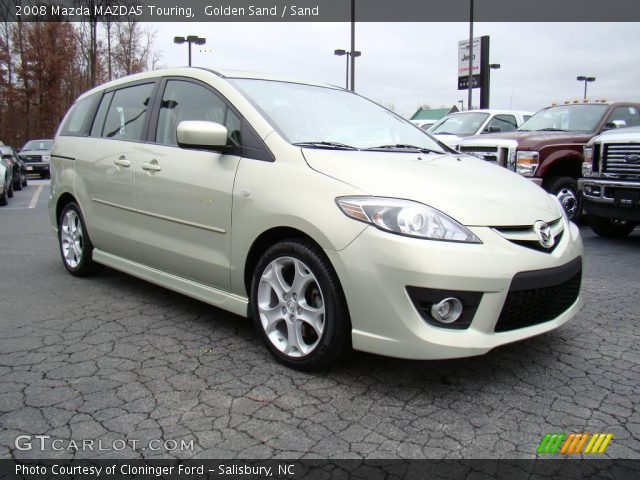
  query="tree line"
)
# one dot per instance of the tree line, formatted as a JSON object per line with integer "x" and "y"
{"x": 45, "y": 66}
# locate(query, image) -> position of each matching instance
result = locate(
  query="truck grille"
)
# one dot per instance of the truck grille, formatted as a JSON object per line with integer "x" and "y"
{"x": 539, "y": 296}
{"x": 621, "y": 159}
{"x": 490, "y": 154}
{"x": 32, "y": 158}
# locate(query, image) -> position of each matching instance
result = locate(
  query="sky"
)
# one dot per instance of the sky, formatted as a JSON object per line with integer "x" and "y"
{"x": 406, "y": 65}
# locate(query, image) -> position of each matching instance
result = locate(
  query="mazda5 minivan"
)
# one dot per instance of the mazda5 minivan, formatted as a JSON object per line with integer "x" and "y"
{"x": 333, "y": 222}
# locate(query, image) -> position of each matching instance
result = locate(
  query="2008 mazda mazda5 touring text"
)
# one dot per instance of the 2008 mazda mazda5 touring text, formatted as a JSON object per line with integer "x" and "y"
{"x": 330, "y": 220}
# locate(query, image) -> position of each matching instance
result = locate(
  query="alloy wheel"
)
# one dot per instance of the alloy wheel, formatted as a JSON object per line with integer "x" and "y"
{"x": 291, "y": 307}
{"x": 71, "y": 239}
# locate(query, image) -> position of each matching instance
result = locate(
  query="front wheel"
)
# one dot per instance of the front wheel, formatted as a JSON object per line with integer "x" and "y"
{"x": 298, "y": 306}
{"x": 75, "y": 245}
{"x": 611, "y": 227}
{"x": 566, "y": 191}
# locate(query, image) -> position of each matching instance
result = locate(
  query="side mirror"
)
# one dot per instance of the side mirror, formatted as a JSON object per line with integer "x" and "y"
{"x": 201, "y": 134}
{"x": 615, "y": 124}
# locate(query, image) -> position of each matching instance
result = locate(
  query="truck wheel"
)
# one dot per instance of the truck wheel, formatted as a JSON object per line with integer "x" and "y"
{"x": 566, "y": 190}
{"x": 611, "y": 227}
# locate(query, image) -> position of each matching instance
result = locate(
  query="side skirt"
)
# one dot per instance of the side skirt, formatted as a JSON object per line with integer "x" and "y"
{"x": 218, "y": 298}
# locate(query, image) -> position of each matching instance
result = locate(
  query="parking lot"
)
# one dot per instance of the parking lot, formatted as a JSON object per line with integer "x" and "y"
{"x": 113, "y": 357}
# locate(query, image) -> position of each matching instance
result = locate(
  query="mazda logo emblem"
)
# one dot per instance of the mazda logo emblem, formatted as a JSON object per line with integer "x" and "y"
{"x": 632, "y": 158}
{"x": 543, "y": 231}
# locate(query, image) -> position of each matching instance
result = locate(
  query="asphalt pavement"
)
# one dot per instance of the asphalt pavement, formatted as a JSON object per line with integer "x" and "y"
{"x": 113, "y": 360}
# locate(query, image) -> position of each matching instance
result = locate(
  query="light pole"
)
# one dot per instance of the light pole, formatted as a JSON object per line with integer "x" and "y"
{"x": 190, "y": 39}
{"x": 586, "y": 80}
{"x": 340, "y": 52}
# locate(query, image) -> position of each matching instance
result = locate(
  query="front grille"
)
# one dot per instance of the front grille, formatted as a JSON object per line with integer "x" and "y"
{"x": 32, "y": 158}
{"x": 621, "y": 159}
{"x": 526, "y": 237}
{"x": 540, "y": 296}
{"x": 487, "y": 153}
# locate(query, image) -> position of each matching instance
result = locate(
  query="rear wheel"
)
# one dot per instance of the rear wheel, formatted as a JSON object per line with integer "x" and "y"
{"x": 75, "y": 245}
{"x": 298, "y": 306}
{"x": 10, "y": 193}
{"x": 24, "y": 180}
{"x": 611, "y": 227}
{"x": 17, "y": 184}
{"x": 3, "y": 199}
{"x": 566, "y": 190}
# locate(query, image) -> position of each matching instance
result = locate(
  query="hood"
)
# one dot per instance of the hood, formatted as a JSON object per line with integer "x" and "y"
{"x": 536, "y": 140}
{"x": 25, "y": 153}
{"x": 470, "y": 190}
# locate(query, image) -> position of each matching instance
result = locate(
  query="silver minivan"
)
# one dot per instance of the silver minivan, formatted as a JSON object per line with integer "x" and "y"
{"x": 333, "y": 222}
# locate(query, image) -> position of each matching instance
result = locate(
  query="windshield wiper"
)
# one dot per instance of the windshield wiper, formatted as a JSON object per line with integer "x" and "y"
{"x": 402, "y": 146}
{"x": 552, "y": 130}
{"x": 336, "y": 145}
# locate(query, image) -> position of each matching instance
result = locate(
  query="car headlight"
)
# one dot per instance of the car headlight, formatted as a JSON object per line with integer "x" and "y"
{"x": 405, "y": 217}
{"x": 46, "y": 158}
{"x": 527, "y": 163}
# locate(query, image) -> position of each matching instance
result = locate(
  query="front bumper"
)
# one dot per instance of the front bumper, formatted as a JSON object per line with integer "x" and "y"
{"x": 604, "y": 198}
{"x": 377, "y": 267}
{"x": 37, "y": 167}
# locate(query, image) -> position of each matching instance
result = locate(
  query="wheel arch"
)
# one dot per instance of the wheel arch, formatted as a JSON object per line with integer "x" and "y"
{"x": 64, "y": 200}
{"x": 562, "y": 164}
{"x": 265, "y": 240}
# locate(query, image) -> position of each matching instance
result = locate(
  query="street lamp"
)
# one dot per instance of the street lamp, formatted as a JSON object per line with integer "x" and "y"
{"x": 586, "y": 80}
{"x": 340, "y": 52}
{"x": 190, "y": 39}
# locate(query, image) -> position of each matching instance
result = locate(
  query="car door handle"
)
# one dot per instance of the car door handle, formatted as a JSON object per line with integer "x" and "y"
{"x": 122, "y": 162}
{"x": 151, "y": 166}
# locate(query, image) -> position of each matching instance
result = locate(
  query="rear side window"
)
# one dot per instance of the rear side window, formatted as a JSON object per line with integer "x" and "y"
{"x": 80, "y": 117}
{"x": 127, "y": 113}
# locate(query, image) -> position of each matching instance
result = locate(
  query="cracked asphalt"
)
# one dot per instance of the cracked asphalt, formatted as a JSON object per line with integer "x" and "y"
{"x": 114, "y": 359}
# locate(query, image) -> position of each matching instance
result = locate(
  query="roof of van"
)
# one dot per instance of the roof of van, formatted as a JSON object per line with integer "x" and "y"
{"x": 223, "y": 73}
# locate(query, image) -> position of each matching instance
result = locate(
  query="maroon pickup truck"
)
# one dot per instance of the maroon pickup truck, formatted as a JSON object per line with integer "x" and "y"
{"x": 548, "y": 148}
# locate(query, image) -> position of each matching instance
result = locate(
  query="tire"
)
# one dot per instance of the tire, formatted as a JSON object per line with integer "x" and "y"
{"x": 308, "y": 288}
{"x": 25, "y": 181}
{"x": 3, "y": 200}
{"x": 76, "y": 248}
{"x": 18, "y": 185}
{"x": 10, "y": 193}
{"x": 566, "y": 190}
{"x": 610, "y": 227}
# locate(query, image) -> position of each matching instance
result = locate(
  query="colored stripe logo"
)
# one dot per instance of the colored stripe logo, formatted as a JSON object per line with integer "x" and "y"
{"x": 574, "y": 443}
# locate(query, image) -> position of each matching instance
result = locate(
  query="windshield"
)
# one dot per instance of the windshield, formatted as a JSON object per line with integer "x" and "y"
{"x": 461, "y": 124}
{"x": 325, "y": 117}
{"x": 567, "y": 118}
{"x": 38, "y": 145}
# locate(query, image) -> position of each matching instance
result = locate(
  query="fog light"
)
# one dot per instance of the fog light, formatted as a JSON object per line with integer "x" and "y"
{"x": 447, "y": 310}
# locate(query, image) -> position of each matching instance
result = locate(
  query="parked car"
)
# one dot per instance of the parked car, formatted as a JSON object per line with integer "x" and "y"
{"x": 6, "y": 181}
{"x": 611, "y": 184}
{"x": 452, "y": 128}
{"x": 223, "y": 186}
{"x": 19, "y": 169}
{"x": 547, "y": 149}
{"x": 36, "y": 154}
{"x": 424, "y": 124}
